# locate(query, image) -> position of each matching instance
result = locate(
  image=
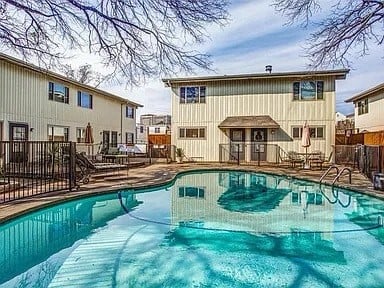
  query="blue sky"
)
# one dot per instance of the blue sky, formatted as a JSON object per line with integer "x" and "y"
{"x": 255, "y": 36}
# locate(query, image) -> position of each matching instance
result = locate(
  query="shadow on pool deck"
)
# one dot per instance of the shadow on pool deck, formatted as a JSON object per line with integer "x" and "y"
{"x": 158, "y": 174}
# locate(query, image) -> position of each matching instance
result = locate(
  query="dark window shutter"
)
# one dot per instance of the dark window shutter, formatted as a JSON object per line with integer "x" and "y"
{"x": 90, "y": 101}
{"x": 78, "y": 98}
{"x": 66, "y": 98}
{"x": 50, "y": 91}
{"x": 320, "y": 89}
{"x": 296, "y": 90}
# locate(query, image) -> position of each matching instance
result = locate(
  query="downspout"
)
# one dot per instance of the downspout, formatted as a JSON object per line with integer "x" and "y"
{"x": 121, "y": 123}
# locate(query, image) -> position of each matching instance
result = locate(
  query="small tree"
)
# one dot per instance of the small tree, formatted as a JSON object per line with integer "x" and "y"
{"x": 350, "y": 27}
{"x": 134, "y": 39}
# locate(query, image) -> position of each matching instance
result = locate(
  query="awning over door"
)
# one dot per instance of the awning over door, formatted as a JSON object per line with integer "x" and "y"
{"x": 262, "y": 121}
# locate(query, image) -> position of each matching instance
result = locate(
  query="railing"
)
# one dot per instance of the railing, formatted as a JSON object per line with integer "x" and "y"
{"x": 341, "y": 173}
{"x": 327, "y": 172}
{"x": 249, "y": 152}
{"x": 30, "y": 168}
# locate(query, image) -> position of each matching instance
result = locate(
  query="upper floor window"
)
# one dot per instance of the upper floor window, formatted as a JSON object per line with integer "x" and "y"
{"x": 58, "y": 92}
{"x": 315, "y": 132}
{"x": 84, "y": 100}
{"x": 157, "y": 129}
{"x": 362, "y": 106}
{"x": 141, "y": 129}
{"x": 308, "y": 90}
{"x": 192, "y": 94}
{"x": 192, "y": 133}
{"x": 129, "y": 112}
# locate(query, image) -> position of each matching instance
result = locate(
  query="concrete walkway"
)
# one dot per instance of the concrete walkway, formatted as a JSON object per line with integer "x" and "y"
{"x": 158, "y": 174}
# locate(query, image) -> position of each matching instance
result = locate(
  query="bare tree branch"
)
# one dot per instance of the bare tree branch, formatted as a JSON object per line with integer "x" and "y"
{"x": 348, "y": 31}
{"x": 135, "y": 39}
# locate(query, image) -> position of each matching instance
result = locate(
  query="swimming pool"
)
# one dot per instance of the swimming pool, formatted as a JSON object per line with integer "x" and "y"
{"x": 206, "y": 229}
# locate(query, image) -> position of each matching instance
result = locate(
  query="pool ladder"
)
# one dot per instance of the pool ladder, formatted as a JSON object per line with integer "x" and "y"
{"x": 339, "y": 173}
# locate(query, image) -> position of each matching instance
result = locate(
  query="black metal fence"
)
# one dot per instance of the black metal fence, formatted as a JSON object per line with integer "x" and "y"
{"x": 253, "y": 153}
{"x": 368, "y": 159}
{"x": 30, "y": 168}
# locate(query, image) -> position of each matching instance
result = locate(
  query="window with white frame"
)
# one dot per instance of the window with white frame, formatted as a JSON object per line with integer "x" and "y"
{"x": 315, "y": 132}
{"x": 129, "y": 138}
{"x": 84, "y": 100}
{"x": 80, "y": 135}
{"x": 114, "y": 138}
{"x": 194, "y": 94}
{"x": 157, "y": 129}
{"x": 308, "y": 90}
{"x": 192, "y": 133}
{"x": 362, "y": 106}
{"x": 58, "y": 92}
{"x": 129, "y": 112}
{"x": 58, "y": 133}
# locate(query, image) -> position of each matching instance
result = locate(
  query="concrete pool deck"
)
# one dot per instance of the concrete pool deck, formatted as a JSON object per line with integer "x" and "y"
{"x": 158, "y": 174}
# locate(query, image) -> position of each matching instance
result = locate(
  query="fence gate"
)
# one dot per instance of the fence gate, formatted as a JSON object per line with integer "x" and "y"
{"x": 30, "y": 168}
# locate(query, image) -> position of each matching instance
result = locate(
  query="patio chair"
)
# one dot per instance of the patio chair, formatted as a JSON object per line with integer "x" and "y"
{"x": 321, "y": 160}
{"x": 292, "y": 158}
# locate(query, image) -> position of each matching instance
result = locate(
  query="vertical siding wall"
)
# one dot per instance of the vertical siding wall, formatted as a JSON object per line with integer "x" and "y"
{"x": 251, "y": 98}
{"x": 24, "y": 99}
{"x": 374, "y": 119}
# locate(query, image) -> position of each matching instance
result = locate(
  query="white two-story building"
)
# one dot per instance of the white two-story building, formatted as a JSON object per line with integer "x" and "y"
{"x": 249, "y": 115}
{"x": 369, "y": 109}
{"x": 37, "y": 104}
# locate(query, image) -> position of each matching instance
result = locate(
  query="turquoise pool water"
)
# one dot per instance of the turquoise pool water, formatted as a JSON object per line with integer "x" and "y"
{"x": 209, "y": 229}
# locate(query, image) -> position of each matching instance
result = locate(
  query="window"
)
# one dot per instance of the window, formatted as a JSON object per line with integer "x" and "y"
{"x": 192, "y": 94}
{"x": 141, "y": 129}
{"x": 114, "y": 139}
{"x": 84, "y": 100}
{"x": 58, "y": 133}
{"x": 58, "y": 92}
{"x": 129, "y": 137}
{"x": 157, "y": 129}
{"x": 315, "y": 132}
{"x": 308, "y": 90}
{"x": 194, "y": 192}
{"x": 192, "y": 133}
{"x": 80, "y": 135}
{"x": 362, "y": 107}
{"x": 129, "y": 112}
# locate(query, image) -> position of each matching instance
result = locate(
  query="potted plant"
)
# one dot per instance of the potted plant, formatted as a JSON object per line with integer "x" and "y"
{"x": 179, "y": 155}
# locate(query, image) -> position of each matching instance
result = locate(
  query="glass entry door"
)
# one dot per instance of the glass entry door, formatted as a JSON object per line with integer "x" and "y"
{"x": 259, "y": 147}
{"x": 18, "y": 135}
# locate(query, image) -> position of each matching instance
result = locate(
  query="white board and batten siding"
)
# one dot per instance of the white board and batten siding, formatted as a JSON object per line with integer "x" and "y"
{"x": 24, "y": 99}
{"x": 252, "y": 97}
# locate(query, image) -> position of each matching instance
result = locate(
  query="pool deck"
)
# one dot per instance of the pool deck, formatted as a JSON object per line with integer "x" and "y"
{"x": 158, "y": 174}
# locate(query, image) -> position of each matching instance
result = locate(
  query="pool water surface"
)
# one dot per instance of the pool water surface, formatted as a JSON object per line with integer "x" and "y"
{"x": 206, "y": 229}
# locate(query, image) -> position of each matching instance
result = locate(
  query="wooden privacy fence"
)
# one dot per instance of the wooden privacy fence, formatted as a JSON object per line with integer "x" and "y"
{"x": 368, "y": 138}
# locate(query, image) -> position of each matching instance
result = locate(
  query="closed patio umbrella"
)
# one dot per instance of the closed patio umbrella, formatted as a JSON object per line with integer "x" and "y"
{"x": 306, "y": 141}
{"x": 88, "y": 136}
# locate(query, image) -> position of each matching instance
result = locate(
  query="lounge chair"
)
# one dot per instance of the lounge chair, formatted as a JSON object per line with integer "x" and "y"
{"x": 85, "y": 167}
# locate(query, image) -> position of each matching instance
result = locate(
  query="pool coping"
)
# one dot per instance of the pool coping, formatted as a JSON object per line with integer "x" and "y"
{"x": 18, "y": 208}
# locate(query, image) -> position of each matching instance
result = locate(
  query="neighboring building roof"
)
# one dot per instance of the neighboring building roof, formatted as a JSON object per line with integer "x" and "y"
{"x": 366, "y": 93}
{"x": 339, "y": 74}
{"x": 37, "y": 69}
{"x": 262, "y": 121}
